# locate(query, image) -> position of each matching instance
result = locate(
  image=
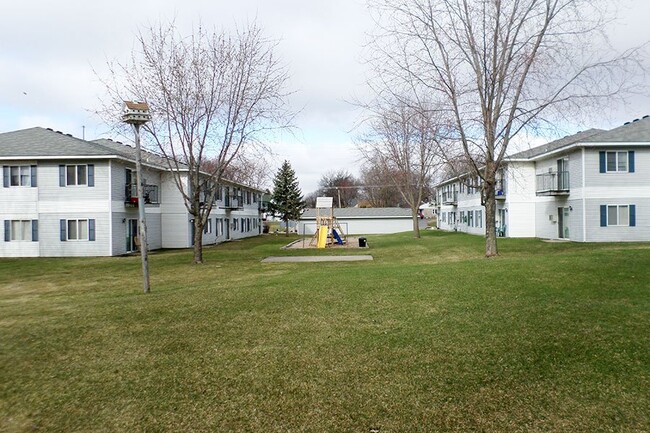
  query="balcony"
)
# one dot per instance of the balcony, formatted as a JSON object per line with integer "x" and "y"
{"x": 450, "y": 198}
{"x": 232, "y": 202}
{"x": 500, "y": 189}
{"x": 553, "y": 183}
{"x": 150, "y": 193}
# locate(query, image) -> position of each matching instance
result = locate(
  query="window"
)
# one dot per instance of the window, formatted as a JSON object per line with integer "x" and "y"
{"x": 470, "y": 219}
{"x": 19, "y": 175}
{"x": 618, "y": 215}
{"x": 207, "y": 229}
{"x": 479, "y": 218}
{"x": 617, "y": 161}
{"x": 75, "y": 175}
{"x": 21, "y": 230}
{"x": 78, "y": 230}
{"x": 234, "y": 223}
{"x": 243, "y": 227}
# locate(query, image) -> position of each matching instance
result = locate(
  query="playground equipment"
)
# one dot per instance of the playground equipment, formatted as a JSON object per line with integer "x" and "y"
{"x": 328, "y": 230}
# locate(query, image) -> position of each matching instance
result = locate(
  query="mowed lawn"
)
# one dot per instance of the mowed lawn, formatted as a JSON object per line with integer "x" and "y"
{"x": 429, "y": 337}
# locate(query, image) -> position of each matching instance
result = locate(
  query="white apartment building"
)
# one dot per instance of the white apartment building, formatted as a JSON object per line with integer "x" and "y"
{"x": 593, "y": 186}
{"x": 63, "y": 196}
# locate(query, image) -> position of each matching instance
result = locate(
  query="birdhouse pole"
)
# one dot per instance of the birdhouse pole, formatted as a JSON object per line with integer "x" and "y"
{"x": 137, "y": 114}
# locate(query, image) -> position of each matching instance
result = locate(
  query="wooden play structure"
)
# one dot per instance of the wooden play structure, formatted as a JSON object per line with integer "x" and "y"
{"x": 328, "y": 230}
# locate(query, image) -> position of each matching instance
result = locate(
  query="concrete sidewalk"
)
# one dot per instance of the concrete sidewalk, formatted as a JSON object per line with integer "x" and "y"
{"x": 303, "y": 259}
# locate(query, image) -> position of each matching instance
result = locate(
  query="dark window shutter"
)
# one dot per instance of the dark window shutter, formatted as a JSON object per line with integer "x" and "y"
{"x": 5, "y": 176}
{"x": 91, "y": 230}
{"x": 603, "y": 215}
{"x": 34, "y": 230}
{"x": 632, "y": 215}
{"x": 603, "y": 162}
{"x": 62, "y": 175}
{"x": 64, "y": 235}
{"x": 630, "y": 161}
{"x": 91, "y": 174}
{"x": 33, "y": 172}
{"x": 7, "y": 232}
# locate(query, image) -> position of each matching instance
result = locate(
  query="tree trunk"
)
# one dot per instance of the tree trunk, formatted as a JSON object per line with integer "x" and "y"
{"x": 490, "y": 221}
{"x": 286, "y": 222}
{"x": 198, "y": 240}
{"x": 416, "y": 224}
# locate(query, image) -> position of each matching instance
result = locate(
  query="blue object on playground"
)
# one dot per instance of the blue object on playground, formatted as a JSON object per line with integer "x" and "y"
{"x": 337, "y": 237}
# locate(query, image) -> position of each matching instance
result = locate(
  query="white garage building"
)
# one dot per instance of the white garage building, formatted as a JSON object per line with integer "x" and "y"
{"x": 362, "y": 221}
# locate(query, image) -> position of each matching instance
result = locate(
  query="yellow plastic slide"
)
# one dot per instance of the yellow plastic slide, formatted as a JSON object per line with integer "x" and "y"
{"x": 322, "y": 236}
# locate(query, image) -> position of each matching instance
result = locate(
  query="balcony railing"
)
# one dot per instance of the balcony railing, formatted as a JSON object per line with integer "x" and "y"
{"x": 500, "y": 189}
{"x": 553, "y": 183}
{"x": 450, "y": 198}
{"x": 150, "y": 193}
{"x": 232, "y": 202}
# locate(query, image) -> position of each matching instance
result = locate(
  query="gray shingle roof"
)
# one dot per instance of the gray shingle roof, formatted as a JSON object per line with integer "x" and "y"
{"x": 360, "y": 212}
{"x": 557, "y": 144}
{"x": 637, "y": 131}
{"x": 35, "y": 142}
{"x": 126, "y": 151}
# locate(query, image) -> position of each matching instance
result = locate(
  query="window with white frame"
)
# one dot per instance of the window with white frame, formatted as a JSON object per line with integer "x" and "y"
{"x": 617, "y": 162}
{"x": 618, "y": 215}
{"x": 18, "y": 175}
{"x": 20, "y": 230}
{"x": 235, "y": 223}
{"x": 470, "y": 219}
{"x": 77, "y": 230}
{"x": 479, "y": 218}
{"x": 76, "y": 175}
{"x": 208, "y": 226}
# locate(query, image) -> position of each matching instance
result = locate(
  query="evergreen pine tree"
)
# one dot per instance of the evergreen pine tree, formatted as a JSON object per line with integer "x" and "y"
{"x": 287, "y": 201}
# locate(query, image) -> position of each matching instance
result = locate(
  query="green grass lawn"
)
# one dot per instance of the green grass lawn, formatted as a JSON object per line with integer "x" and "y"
{"x": 430, "y": 336}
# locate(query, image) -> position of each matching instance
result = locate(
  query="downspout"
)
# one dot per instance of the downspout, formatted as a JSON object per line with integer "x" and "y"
{"x": 110, "y": 207}
{"x": 584, "y": 201}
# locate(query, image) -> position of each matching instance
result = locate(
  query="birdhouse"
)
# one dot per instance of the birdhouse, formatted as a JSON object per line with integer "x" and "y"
{"x": 135, "y": 113}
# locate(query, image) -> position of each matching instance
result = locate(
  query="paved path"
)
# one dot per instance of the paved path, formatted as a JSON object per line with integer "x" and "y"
{"x": 302, "y": 259}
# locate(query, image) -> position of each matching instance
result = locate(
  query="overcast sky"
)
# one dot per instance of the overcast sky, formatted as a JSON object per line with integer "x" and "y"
{"x": 49, "y": 49}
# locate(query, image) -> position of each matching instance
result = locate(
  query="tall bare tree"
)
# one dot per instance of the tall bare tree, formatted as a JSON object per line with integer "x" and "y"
{"x": 212, "y": 95}
{"x": 377, "y": 185}
{"x": 500, "y": 67}
{"x": 404, "y": 141}
{"x": 341, "y": 185}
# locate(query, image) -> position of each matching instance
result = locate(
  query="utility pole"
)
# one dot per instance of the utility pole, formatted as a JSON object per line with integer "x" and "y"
{"x": 137, "y": 114}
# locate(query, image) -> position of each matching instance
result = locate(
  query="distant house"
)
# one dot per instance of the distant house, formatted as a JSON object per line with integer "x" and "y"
{"x": 593, "y": 186}
{"x": 63, "y": 196}
{"x": 355, "y": 221}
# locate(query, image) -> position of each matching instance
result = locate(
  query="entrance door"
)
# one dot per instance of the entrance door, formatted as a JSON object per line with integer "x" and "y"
{"x": 501, "y": 224}
{"x": 563, "y": 222}
{"x": 131, "y": 235}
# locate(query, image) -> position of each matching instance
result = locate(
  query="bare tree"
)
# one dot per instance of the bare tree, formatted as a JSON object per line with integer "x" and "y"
{"x": 500, "y": 68}
{"x": 212, "y": 95}
{"x": 377, "y": 185}
{"x": 404, "y": 141}
{"x": 341, "y": 185}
